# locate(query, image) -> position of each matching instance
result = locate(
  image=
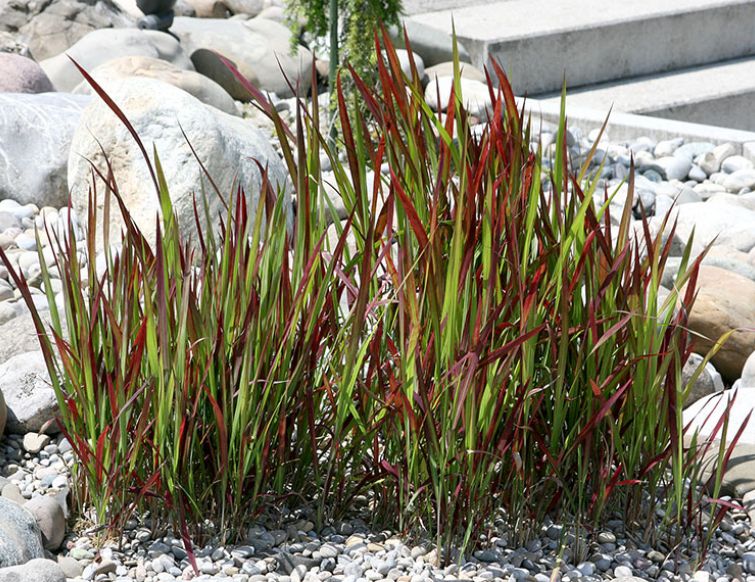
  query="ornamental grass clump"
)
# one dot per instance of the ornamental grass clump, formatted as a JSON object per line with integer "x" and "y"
{"x": 478, "y": 340}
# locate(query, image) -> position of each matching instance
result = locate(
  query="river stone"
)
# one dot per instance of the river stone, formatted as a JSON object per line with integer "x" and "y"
{"x": 724, "y": 303}
{"x": 735, "y": 181}
{"x": 709, "y": 221}
{"x": 20, "y": 539}
{"x": 160, "y": 112}
{"x": 670, "y": 167}
{"x": 708, "y": 382}
{"x": 249, "y": 7}
{"x": 50, "y": 518}
{"x": 37, "y": 570}
{"x": 693, "y": 149}
{"x": 735, "y": 163}
{"x": 475, "y": 95}
{"x": 29, "y": 396}
{"x": 10, "y": 43}
{"x": 101, "y": 46}
{"x": 180, "y": 8}
{"x": 466, "y": 71}
{"x": 201, "y": 87}
{"x": 704, "y": 414}
{"x": 35, "y": 136}
{"x": 711, "y": 161}
{"x": 22, "y": 75}
{"x": 209, "y": 8}
{"x": 18, "y": 336}
{"x": 260, "y": 49}
{"x": 742, "y": 239}
{"x": 208, "y": 63}
{"x": 51, "y": 27}
{"x": 748, "y": 372}
{"x": 731, "y": 259}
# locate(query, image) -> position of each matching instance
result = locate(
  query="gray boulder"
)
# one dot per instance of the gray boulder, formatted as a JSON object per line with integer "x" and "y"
{"x": 101, "y": 46}
{"x": 51, "y": 27}
{"x": 19, "y": 74}
{"x": 35, "y": 135}
{"x": 20, "y": 539}
{"x": 37, "y": 570}
{"x": 260, "y": 48}
{"x": 18, "y": 336}
{"x": 29, "y": 396}
{"x": 159, "y": 112}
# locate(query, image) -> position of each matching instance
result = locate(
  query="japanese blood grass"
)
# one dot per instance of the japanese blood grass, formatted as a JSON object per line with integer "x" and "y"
{"x": 524, "y": 361}
{"x": 190, "y": 375}
{"x": 489, "y": 342}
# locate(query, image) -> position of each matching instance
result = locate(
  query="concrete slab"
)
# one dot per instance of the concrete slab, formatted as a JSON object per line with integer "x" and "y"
{"x": 590, "y": 41}
{"x": 420, "y": 6}
{"x": 628, "y": 126}
{"x": 721, "y": 94}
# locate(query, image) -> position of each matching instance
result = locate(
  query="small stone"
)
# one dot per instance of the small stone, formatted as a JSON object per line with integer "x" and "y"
{"x": 623, "y": 572}
{"x": 486, "y": 555}
{"x": 81, "y": 554}
{"x": 671, "y": 167}
{"x": 33, "y": 442}
{"x": 328, "y": 551}
{"x": 735, "y": 181}
{"x": 697, "y": 174}
{"x": 667, "y": 147}
{"x": 735, "y": 163}
{"x": 748, "y": 562}
{"x": 71, "y": 568}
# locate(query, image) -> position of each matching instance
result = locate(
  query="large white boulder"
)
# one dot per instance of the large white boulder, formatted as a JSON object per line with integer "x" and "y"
{"x": 201, "y": 87}
{"x": 705, "y": 413}
{"x": 101, "y": 46}
{"x": 226, "y": 145}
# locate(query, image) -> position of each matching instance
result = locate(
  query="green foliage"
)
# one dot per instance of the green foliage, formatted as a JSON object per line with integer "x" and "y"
{"x": 358, "y": 19}
{"x": 477, "y": 339}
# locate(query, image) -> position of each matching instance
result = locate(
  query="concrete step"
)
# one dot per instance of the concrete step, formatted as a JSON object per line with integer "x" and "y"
{"x": 420, "y": 6}
{"x": 722, "y": 94}
{"x": 591, "y": 41}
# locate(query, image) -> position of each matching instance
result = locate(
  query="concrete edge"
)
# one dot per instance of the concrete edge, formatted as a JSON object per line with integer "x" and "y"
{"x": 628, "y": 126}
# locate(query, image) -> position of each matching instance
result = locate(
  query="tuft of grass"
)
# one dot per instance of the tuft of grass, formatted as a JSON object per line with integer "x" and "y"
{"x": 478, "y": 339}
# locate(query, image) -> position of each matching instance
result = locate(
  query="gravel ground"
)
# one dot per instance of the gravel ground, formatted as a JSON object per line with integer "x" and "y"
{"x": 286, "y": 548}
